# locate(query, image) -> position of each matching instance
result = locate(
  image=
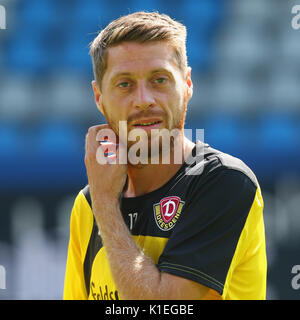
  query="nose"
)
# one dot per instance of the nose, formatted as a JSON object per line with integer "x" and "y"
{"x": 143, "y": 97}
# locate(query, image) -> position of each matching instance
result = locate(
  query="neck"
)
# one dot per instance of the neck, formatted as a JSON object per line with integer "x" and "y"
{"x": 143, "y": 179}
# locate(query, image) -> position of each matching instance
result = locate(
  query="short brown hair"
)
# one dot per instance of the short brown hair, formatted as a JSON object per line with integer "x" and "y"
{"x": 138, "y": 27}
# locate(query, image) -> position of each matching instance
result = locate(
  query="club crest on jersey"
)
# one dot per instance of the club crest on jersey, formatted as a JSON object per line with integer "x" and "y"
{"x": 167, "y": 212}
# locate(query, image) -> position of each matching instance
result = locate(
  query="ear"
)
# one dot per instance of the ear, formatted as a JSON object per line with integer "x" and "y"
{"x": 97, "y": 96}
{"x": 189, "y": 84}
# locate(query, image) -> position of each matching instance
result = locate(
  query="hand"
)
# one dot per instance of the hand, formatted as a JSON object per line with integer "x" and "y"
{"x": 107, "y": 180}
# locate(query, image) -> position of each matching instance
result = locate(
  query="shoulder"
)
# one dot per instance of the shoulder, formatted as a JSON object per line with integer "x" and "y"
{"x": 86, "y": 193}
{"x": 82, "y": 205}
{"x": 82, "y": 218}
{"x": 208, "y": 163}
{"x": 218, "y": 176}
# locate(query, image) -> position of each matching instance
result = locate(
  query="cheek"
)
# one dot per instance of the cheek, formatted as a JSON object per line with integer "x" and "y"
{"x": 177, "y": 103}
{"x": 109, "y": 116}
{"x": 114, "y": 108}
{"x": 114, "y": 113}
{"x": 178, "y": 111}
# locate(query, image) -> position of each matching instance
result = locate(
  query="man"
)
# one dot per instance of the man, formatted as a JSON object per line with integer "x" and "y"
{"x": 155, "y": 230}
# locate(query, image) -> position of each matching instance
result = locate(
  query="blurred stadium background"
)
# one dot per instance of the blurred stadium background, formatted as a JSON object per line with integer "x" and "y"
{"x": 246, "y": 70}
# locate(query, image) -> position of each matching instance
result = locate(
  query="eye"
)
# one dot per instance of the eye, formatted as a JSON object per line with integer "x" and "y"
{"x": 160, "y": 80}
{"x": 124, "y": 84}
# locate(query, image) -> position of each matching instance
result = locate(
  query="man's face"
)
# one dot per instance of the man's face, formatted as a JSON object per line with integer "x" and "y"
{"x": 144, "y": 86}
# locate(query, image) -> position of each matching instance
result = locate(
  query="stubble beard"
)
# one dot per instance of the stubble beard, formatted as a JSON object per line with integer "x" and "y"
{"x": 178, "y": 126}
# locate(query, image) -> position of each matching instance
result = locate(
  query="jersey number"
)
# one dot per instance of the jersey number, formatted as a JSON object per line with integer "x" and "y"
{"x": 132, "y": 219}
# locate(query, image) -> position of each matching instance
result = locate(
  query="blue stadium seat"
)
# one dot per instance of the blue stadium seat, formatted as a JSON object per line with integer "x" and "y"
{"x": 10, "y": 140}
{"x": 278, "y": 132}
{"x": 200, "y": 54}
{"x": 50, "y": 155}
{"x": 172, "y": 8}
{"x": 223, "y": 132}
{"x": 30, "y": 50}
{"x": 74, "y": 53}
{"x": 202, "y": 19}
{"x": 145, "y": 5}
{"x": 59, "y": 155}
{"x": 119, "y": 8}
{"x": 89, "y": 15}
{"x": 10, "y": 159}
{"x": 57, "y": 137}
{"x": 279, "y": 142}
{"x": 36, "y": 14}
{"x": 25, "y": 54}
{"x": 92, "y": 15}
{"x": 205, "y": 15}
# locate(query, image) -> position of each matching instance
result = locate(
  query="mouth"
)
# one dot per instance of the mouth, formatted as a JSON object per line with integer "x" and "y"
{"x": 147, "y": 124}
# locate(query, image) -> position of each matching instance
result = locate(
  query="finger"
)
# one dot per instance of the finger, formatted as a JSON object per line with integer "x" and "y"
{"x": 105, "y": 157}
{"x": 98, "y": 127}
{"x": 112, "y": 158}
{"x": 106, "y": 135}
{"x": 108, "y": 148}
{"x": 94, "y": 130}
{"x": 91, "y": 143}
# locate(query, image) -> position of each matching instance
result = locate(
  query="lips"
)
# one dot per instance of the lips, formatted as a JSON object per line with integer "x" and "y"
{"x": 147, "y": 124}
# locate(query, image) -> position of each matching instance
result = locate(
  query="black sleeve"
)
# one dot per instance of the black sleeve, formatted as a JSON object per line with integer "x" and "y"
{"x": 204, "y": 240}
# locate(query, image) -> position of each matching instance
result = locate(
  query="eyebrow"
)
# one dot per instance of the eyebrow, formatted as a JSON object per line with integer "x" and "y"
{"x": 163, "y": 70}
{"x": 126, "y": 74}
{"x": 120, "y": 74}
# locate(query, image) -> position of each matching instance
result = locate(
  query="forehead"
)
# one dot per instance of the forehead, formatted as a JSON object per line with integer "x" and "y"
{"x": 135, "y": 58}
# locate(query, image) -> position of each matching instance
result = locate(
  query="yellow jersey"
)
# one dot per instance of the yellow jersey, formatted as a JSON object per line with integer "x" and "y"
{"x": 205, "y": 224}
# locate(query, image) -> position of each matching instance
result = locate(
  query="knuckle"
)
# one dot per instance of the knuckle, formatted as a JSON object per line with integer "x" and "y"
{"x": 90, "y": 130}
